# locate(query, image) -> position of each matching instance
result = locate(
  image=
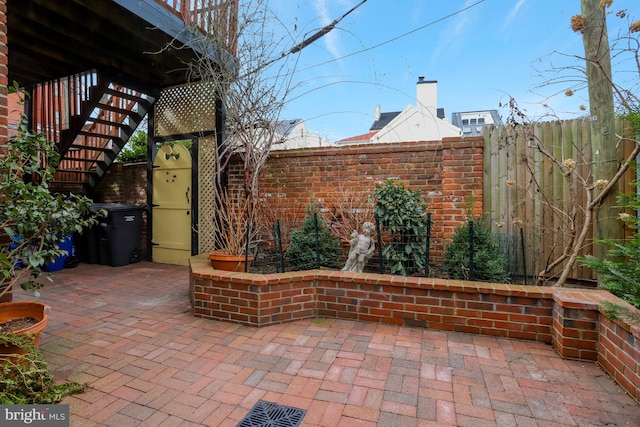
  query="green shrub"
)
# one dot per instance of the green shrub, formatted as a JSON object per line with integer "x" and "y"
{"x": 489, "y": 264}
{"x": 402, "y": 213}
{"x": 36, "y": 220}
{"x": 302, "y": 251}
{"x": 620, "y": 273}
{"x": 135, "y": 149}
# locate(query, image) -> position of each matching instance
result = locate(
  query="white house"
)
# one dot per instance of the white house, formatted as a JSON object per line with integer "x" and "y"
{"x": 421, "y": 122}
{"x": 473, "y": 122}
{"x": 292, "y": 134}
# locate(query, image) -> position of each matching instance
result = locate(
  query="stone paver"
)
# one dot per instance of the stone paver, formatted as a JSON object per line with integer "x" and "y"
{"x": 129, "y": 333}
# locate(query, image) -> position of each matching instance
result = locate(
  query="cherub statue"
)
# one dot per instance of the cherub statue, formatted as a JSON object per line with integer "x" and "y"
{"x": 362, "y": 247}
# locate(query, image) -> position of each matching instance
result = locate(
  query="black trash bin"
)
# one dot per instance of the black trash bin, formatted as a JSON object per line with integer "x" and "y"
{"x": 117, "y": 240}
{"x": 90, "y": 245}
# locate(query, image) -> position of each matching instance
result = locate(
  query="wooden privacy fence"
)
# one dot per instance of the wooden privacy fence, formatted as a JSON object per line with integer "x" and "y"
{"x": 522, "y": 189}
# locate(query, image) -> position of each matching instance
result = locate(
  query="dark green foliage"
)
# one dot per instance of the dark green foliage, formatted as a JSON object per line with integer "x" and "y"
{"x": 301, "y": 253}
{"x": 136, "y": 148}
{"x": 619, "y": 312}
{"x": 36, "y": 220}
{"x": 27, "y": 379}
{"x": 489, "y": 264}
{"x": 402, "y": 213}
{"x": 620, "y": 274}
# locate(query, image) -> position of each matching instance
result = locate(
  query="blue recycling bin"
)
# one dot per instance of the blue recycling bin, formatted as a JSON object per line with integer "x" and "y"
{"x": 58, "y": 264}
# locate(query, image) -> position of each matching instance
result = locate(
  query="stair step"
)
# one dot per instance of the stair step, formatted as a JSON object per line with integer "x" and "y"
{"x": 68, "y": 182}
{"x": 106, "y": 122}
{"x": 80, "y": 159}
{"x": 125, "y": 95}
{"x": 78, "y": 147}
{"x": 117, "y": 110}
{"x": 96, "y": 135}
{"x": 73, "y": 171}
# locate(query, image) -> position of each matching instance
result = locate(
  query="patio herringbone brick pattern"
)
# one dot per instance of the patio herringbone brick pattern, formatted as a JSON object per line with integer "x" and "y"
{"x": 129, "y": 333}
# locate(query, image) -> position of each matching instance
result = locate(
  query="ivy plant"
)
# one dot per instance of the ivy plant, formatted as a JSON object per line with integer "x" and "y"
{"x": 402, "y": 213}
{"x": 35, "y": 220}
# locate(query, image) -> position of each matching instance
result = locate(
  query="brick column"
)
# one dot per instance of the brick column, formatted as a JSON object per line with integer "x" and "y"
{"x": 461, "y": 180}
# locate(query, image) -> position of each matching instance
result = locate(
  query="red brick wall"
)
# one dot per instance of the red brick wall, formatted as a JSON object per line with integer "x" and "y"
{"x": 4, "y": 81}
{"x": 619, "y": 353}
{"x": 447, "y": 173}
{"x": 125, "y": 183}
{"x": 576, "y": 331}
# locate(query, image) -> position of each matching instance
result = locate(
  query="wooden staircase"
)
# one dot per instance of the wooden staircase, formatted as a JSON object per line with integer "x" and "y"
{"x": 90, "y": 118}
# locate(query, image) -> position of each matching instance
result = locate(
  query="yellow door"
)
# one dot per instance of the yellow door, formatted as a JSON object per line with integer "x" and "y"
{"x": 171, "y": 230}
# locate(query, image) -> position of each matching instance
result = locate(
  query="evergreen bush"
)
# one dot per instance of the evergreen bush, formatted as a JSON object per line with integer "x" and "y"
{"x": 302, "y": 253}
{"x": 620, "y": 272}
{"x": 489, "y": 264}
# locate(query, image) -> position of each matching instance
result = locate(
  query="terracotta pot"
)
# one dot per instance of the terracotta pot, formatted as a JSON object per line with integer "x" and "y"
{"x": 222, "y": 261}
{"x": 18, "y": 310}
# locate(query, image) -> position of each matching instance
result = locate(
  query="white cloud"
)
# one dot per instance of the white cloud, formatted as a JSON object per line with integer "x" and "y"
{"x": 513, "y": 13}
{"x": 331, "y": 40}
{"x": 453, "y": 37}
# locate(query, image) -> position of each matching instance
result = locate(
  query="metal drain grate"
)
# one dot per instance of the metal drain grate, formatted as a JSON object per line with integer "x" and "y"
{"x": 269, "y": 414}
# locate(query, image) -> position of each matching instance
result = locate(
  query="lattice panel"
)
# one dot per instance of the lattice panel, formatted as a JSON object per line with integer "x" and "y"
{"x": 206, "y": 208}
{"x": 185, "y": 109}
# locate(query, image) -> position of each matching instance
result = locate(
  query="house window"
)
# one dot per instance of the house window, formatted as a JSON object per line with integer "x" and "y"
{"x": 481, "y": 121}
{"x": 465, "y": 122}
{"x": 473, "y": 121}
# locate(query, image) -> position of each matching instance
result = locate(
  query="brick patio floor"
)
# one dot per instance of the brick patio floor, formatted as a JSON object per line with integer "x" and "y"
{"x": 129, "y": 333}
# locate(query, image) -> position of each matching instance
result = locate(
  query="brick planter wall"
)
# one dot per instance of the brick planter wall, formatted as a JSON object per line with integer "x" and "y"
{"x": 568, "y": 319}
{"x": 619, "y": 353}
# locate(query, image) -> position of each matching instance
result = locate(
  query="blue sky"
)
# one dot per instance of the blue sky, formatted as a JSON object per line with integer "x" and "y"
{"x": 481, "y": 52}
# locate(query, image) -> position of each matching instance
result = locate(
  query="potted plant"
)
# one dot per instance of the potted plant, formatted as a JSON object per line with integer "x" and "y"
{"x": 251, "y": 90}
{"x": 235, "y": 230}
{"x": 27, "y": 379}
{"x": 34, "y": 222}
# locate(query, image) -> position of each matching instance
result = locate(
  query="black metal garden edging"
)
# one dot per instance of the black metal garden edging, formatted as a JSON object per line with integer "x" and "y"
{"x": 317, "y": 238}
{"x": 427, "y": 252}
{"x": 471, "y": 275}
{"x": 379, "y": 244}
